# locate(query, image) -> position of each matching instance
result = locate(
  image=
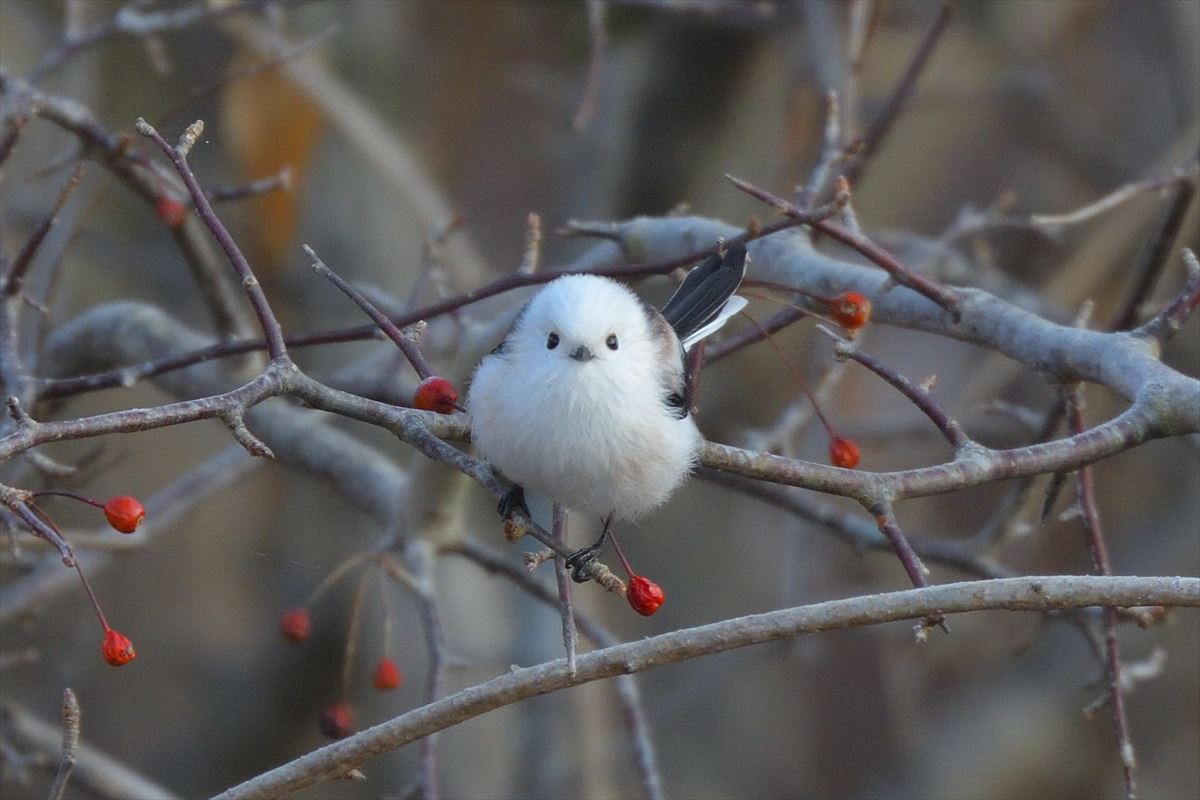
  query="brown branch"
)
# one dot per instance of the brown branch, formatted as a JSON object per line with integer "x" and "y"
{"x": 1025, "y": 594}
{"x": 882, "y": 126}
{"x": 949, "y": 427}
{"x": 1086, "y": 489}
{"x": 405, "y": 343}
{"x": 11, "y": 283}
{"x": 1167, "y": 322}
{"x": 1157, "y": 256}
{"x": 258, "y": 299}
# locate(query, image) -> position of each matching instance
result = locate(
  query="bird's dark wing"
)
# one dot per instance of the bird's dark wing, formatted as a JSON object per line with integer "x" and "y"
{"x": 703, "y": 293}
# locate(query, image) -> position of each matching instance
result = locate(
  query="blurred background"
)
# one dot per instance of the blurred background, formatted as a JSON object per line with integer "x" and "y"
{"x": 399, "y": 117}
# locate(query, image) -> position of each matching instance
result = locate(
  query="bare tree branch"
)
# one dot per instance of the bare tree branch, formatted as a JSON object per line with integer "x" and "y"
{"x": 1020, "y": 594}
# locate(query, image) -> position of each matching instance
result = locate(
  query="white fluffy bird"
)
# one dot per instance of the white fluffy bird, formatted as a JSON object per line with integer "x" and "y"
{"x": 584, "y": 400}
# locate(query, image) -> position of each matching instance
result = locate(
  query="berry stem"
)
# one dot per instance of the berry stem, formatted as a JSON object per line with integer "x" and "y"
{"x": 334, "y": 576}
{"x": 795, "y": 372}
{"x": 73, "y": 496}
{"x": 621, "y": 555}
{"x": 92, "y": 596}
{"x": 352, "y": 633}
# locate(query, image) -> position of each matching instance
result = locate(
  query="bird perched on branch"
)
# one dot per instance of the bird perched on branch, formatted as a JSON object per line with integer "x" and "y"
{"x": 585, "y": 399}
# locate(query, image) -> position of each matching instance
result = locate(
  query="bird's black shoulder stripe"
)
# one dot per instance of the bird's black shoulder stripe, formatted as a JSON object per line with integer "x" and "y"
{"x": 502, "y": 348}
{"x": 704, "y": 291}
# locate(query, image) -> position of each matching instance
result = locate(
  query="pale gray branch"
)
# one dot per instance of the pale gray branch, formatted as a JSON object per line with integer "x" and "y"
{"x": 1022, "y": 594}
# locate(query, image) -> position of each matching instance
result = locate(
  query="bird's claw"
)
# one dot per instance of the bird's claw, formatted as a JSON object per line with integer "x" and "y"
{"x": 580, "y": 562}
{"x": 513, "y": 501}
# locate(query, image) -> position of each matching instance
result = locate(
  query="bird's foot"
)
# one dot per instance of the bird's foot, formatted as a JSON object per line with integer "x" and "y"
{"x": 513, "y": 501}
{"x": 581, "y": 560}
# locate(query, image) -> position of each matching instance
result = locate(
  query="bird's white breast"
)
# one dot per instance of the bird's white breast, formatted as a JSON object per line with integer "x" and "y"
{"x": 584, "y": 440}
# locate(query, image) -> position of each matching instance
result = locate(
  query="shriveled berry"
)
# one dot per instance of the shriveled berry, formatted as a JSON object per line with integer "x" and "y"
{"x": 295, "y": 625}
{"x": 170, "y": 211}
{"x": 843, "y": 453}
{"x": 387, "y": 675}
{"x": 116, "y": 648}
{"x": 851, "y": 310}
{"x": 336, "y": 722}
{"x": 644, "y": 595}
{"x": 435, "y": 394}
{"x": 124, "y": 513}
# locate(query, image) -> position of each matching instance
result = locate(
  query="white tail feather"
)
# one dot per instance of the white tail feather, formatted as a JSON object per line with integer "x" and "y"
{"x": 732, "y": 306}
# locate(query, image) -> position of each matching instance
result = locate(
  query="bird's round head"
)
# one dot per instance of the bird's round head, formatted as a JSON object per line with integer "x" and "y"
{"x": 587, "y": 322}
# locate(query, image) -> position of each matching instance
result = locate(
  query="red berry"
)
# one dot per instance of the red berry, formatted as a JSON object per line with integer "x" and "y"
{"x": 843, "y": 453}
{"x": 851, "y": 310}
{"x": 124, "y": 513}
{"x": 644, "y": 595}
{"x": 387, "y": 675}
{"x": 335, "y": 722}
{"x": 170, "y": 211}
{"x": 435, "y": 394}
{"x": 117, "y": 649}
{"x": 295, "y": 625}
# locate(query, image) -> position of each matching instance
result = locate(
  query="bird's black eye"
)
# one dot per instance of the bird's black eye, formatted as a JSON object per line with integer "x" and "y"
{"x": 552, "y": 341}
{"x": 611, "y": 341}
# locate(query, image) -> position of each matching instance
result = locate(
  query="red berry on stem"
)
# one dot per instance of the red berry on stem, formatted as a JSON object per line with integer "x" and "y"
{"x": 843, "y": 452}
{"x": 170, "y": 211}
{"x": 335, "y": 722}
{"x": 295, "y": 625}
{"x": 117, "y": 649}
{"x": 644, "y": 595}
{"x": 435, "y": 394}
{"x": 851, "y": 310}
{"x": 124, "y": 513}
{"x": 387, "y": 675}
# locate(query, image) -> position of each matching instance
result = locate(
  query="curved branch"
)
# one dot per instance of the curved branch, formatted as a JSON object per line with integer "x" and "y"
{"x": 1023, "y": 594}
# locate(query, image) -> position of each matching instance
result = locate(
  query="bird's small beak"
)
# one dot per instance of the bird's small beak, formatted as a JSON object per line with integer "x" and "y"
{"x": 582, "y": 354}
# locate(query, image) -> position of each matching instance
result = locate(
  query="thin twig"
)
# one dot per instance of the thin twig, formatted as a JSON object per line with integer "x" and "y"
{"x": 1167, "y": 322}
{"x": 918, "y": 573}
{"x": 405, "y": 343}
{"x": 11, "y": 284}
{"x": 562, "y": 578}
{"x": 1098, "y": 547}
{"x": 272, "y": 331}
{"x": 1157, "y": 256}
{"x": 949, "y": 427}
{"x": 882, "y": 126}
{"x": 70, "y": 744}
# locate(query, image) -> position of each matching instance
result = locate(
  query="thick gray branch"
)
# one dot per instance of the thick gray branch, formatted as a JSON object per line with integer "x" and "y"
{"x": 1022, "y": 594}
